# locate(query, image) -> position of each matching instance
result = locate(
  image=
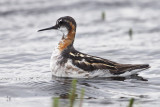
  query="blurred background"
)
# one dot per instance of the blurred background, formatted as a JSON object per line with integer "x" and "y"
{"x": 125, "y": 31}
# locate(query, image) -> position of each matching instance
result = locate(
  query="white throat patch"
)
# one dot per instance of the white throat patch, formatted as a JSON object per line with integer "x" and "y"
{"x": 64, "y": 30}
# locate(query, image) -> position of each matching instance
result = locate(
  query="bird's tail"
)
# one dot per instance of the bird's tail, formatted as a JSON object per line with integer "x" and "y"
{"x": 140, "y": 66}
{"x": 122, "y": 68}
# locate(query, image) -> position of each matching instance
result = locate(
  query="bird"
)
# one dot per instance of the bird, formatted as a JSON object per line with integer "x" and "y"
{"x": 66, "y": 61}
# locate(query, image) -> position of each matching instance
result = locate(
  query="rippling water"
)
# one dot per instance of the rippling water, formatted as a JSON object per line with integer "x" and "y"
{"x": 25, "y": 77}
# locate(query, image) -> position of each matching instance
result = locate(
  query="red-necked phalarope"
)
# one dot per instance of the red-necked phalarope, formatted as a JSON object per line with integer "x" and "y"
{"x": 68, "y": 62}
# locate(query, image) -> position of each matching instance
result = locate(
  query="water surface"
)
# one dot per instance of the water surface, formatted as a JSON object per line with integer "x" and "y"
{"x": 25, "y": 77}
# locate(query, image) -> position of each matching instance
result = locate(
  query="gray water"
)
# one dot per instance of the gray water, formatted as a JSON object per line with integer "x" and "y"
{"x": 25, "y": 77}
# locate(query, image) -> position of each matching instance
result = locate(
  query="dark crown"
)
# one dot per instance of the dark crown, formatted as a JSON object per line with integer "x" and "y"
{"x": 66, "y": 21}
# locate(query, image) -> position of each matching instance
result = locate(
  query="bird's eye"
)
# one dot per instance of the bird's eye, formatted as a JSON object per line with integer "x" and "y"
{"x": 60, "y": 21}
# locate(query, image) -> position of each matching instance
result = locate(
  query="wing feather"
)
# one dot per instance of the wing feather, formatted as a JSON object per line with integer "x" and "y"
{"x": 91, "y": 63}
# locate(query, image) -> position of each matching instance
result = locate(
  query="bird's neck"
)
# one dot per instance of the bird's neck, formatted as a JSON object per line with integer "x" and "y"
{"x": 66, "y": 41}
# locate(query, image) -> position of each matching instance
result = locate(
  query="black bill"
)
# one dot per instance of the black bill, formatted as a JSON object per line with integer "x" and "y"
{"x": 50, "y": 28}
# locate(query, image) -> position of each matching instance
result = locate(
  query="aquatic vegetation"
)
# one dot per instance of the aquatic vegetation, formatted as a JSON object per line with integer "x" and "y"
{"x": 72, "y": 96}
{"x": 131, "y": 102}
{"x": 56, "y": 102}
{"x": 130, "y": 32}
{"x": 81, "y": 97}
{"x": 103, "y": 16}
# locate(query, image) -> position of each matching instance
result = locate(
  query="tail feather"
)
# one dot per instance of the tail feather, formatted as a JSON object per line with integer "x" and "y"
{"x": 122, "y": 68}
{"x": 141, "y": 66}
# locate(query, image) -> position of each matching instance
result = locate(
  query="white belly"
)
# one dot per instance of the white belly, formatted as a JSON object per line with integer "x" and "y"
{"x": 67, "y": 69}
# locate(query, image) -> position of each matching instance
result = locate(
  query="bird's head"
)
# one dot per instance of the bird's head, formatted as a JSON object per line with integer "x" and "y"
{"x": 65, "y": 24}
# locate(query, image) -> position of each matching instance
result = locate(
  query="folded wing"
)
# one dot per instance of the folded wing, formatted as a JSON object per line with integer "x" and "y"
{"x": 90, "y": 63}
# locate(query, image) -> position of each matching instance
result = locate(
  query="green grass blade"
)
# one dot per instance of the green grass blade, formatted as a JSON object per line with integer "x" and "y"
{"x": 103, "y": 16}
{"x": 81, "y": 97}
{"x": 56, "y": 102}
{"x": 72, "y": 96}
{"x": 130, "y": 32}
{"x": 131, "y": 102}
